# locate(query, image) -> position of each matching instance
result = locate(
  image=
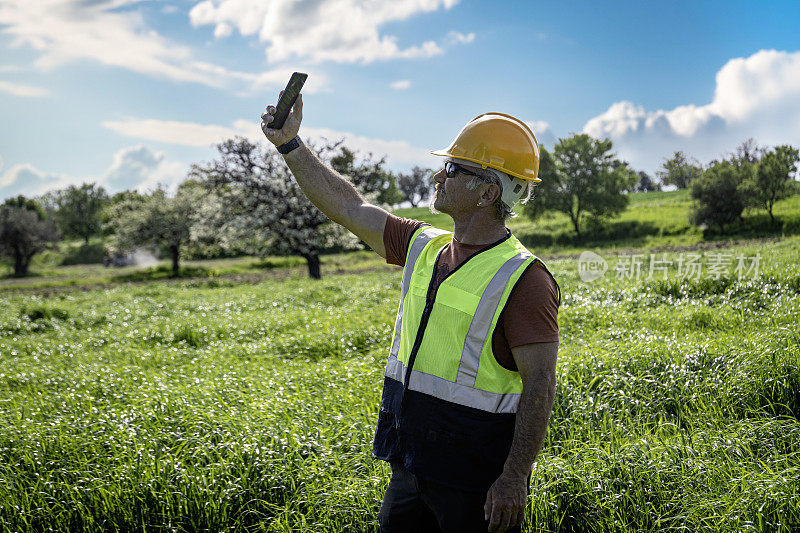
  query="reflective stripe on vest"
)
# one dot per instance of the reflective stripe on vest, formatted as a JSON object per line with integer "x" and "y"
{"x": 493, "y": 402}
{"x": 461, "y": 391}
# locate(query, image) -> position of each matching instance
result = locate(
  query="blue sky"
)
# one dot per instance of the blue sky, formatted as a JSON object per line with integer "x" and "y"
{"x": 129, "y": 93}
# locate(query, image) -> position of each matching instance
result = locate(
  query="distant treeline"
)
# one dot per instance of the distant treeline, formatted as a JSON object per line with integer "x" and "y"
{"x": 245, "y": 201}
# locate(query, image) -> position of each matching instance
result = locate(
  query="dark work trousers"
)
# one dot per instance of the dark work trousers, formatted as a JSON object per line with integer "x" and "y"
{"x": 413, "y": 505}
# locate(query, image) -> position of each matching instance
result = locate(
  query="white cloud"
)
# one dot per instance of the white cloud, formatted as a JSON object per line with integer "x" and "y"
{"x": 136, "y": 167}
{"x": 27, "y": 180}
{"x": 140, "y": 168}
{"x": 399, "y": 154}
{"x": 223, "y": 30}
{"x": 342, "y": 31}
{"x": 24, "y": 91}
{"x": 111, "y": 33}
{"x": 757, "y": 96}
{"x": 400, "y": 84}
{"x": 460, "y": 38}
{"x": 174, "y": 132}
{"x": 543, "y": 133}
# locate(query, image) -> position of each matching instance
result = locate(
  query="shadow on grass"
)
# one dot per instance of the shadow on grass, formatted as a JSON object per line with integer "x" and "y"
{"x": 757, "y": 225}
{"x": 165, "y": 272}
{"x": 30, "y": 274}
{"x": 628, "y": 232}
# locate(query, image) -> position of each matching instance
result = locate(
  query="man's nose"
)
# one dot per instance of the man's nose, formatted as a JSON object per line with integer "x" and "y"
{"x": 440, "y": 176}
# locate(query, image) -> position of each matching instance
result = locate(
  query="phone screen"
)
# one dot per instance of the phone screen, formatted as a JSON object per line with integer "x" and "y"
{"x": 286, "y": 102}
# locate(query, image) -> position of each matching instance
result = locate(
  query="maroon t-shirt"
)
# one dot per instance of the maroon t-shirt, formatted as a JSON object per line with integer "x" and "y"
{"x": 531, "y": 313}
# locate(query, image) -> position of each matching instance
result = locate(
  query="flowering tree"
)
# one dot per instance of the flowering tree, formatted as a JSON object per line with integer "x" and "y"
{"x": 262, "y": 209}
{"x": 158, "y": 219}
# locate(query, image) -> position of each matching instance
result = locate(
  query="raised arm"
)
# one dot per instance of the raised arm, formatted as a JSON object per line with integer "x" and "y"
{"x": 332, "y": 194}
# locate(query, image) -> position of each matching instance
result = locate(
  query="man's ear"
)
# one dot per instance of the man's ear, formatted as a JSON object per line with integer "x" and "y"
{"x": 491, "y": 193}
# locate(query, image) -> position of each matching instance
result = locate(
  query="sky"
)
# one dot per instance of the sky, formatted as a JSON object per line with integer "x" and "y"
{"x": 130, "y": 93}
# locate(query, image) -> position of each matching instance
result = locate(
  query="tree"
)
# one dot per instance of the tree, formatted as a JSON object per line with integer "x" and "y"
{"x": 27, "y": 203}
{"x": 748, "y": 151}
{"x": 626, "y": 174}
{"x": 157, "y": 220}
{"x": 718, "y": 195}
{"x": 416, "y": 187}
{"x": 24, "y": 233}
{"x": 262, "y": 208}
{"x": 128, "y": 200}
{"x": 545, "y": 193}
{"x": 679, "y": 170}
{"x": 745, "y": 161}
{"x": 368, "y": 175}
{"x": 772, "y": 178}
{"x": 78, "y": 210}
{"x": 585, "y": 179}
{"x": 645, "y": 183}
{"x": 129, "y": 195}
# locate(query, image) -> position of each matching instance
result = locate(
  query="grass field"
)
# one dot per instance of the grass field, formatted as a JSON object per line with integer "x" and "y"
{"x": 215, "y": 405}
{"x": 52, "y": 276}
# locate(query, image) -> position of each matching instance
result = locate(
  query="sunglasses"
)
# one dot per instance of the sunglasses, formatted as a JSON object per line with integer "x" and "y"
{"x": 450, "y": 170}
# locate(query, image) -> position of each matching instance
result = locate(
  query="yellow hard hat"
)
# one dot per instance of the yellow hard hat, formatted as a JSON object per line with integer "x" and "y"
{"x": 497, "y": 141}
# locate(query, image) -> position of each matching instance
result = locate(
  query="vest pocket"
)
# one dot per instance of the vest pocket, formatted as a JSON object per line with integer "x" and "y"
{"x": 456, "y": 298}
{"x": 418, "y": 287}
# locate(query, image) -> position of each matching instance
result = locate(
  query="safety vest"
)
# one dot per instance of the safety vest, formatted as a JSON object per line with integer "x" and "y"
{"x": 442, "y": 343}
{"x": 448, "y": 407}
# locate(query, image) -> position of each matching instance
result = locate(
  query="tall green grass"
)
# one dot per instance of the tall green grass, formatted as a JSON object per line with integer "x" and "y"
{"x": 207, "y": 406}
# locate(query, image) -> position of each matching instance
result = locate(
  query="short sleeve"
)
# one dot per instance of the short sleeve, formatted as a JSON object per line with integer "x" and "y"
{"x": 531, "y": 314}
{"x": 397, "y": 236}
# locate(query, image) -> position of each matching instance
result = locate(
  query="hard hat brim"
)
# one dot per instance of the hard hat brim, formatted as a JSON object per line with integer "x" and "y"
{"x": 483, "y": 164}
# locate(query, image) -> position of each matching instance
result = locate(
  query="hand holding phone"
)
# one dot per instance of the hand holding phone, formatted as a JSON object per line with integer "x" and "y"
{"x": 278, "y": 124}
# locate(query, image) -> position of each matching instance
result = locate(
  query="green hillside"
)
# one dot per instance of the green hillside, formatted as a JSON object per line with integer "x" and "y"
{"x": 652, "y": 219}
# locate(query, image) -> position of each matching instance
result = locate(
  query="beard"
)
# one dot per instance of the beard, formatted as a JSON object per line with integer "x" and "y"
{"x": 432, "y": 204}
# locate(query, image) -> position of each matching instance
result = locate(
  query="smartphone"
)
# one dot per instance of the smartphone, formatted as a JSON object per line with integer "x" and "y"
{"x": 287, "y": 100}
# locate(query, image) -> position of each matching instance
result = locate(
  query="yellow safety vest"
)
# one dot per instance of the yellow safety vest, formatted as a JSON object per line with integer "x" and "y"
{"x": 442, "y": 346}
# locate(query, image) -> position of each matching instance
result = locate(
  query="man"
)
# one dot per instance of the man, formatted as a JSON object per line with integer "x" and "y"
{"x": 470, "y": 380}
